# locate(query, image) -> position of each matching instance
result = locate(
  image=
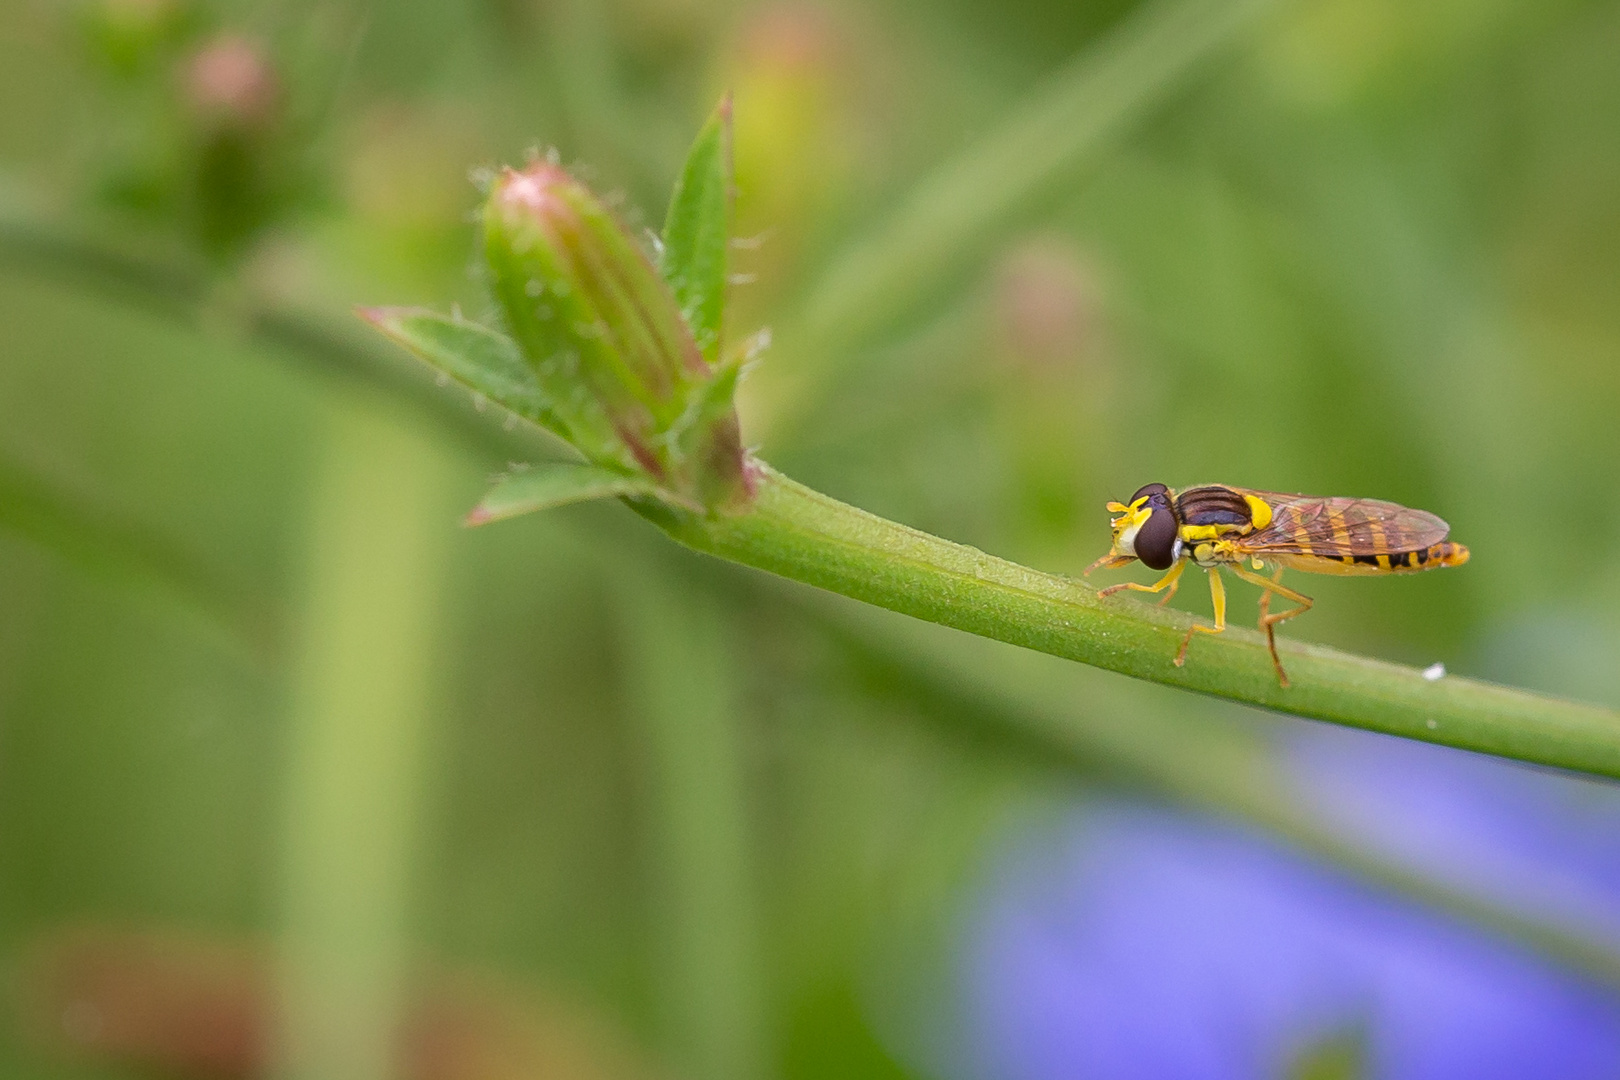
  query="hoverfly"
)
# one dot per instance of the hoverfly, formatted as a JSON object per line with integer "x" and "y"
{"x": 1216, "y": 526}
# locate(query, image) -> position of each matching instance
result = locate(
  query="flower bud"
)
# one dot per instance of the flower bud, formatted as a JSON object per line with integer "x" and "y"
{"x": 230, "y": 84}
{"x": 606, "y": 338}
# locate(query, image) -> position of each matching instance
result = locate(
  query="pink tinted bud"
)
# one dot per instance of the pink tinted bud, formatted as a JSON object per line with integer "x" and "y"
{"x": 231, "y": 82}
{"x": 1046, "y": 303}
{"x": 604, "y": 333}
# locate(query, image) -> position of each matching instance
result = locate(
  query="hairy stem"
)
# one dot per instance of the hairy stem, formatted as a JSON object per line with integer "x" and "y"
{"x": 804, "y": 535}
{"x": 1202, "y": 766}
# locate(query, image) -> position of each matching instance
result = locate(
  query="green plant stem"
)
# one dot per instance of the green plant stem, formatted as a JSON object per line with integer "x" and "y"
{"x": 996, "y": 704}
{"x": 99, "y": 541}
{"x": 804, "y": 535}
{"x": 1206, "y": 767}
{"x": 952, "y": 213}
{"x": 685, "y": 692}
{"x": 1108, "y": 85}
{"x": 333, "y": 347}
{"x": 360, "y": 734}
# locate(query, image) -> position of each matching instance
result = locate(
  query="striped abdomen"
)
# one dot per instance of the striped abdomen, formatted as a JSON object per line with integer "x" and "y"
{"x": 1444, "y": 553}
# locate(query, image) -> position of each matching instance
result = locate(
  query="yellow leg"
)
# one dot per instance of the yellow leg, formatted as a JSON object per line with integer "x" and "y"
{"x": 1175, "y": 584}
{"x": 1217, "y": 594}
{"x": 1166, "y": 582}
{"x": 1265, "y": 596}
{"x": 1268, "y": 621}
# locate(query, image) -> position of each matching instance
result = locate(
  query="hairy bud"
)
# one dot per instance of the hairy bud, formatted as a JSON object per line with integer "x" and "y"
{"x": 607, "y": 340}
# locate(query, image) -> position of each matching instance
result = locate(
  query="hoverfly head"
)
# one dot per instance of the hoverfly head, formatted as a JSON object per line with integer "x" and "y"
{"x": 1146, "y": 529}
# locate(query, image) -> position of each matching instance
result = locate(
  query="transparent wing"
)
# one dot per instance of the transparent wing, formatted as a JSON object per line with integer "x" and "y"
{"x": 1305, "y": 525}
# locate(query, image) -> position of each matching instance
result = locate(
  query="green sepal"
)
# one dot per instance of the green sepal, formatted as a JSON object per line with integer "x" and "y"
{"x": 481, "y": 359}
{"x": 713, "y": 435}
{"x": 541, "y": 487}
{"x": 697, "y": 232}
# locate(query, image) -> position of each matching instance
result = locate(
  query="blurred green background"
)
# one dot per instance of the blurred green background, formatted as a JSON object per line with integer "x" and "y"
{"x": 555, "y": 798}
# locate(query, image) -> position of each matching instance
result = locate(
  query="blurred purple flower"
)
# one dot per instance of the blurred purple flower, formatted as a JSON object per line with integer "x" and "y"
{"x": 1125, "y": 941}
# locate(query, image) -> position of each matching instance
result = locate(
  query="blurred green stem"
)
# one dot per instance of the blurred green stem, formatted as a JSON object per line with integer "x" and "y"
{"x": 955, "y": 211}
{"x": 362, "y": 690}
{"x": 678, "y": 660}
{"x": 334, "y": 348}
{"x": 804, "y": 535}
{"x": 1205, "y": 766}
{"x": 92, "y": 537}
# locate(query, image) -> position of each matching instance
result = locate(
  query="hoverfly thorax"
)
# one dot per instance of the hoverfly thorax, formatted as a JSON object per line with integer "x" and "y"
{"x": 1146, "y": 528}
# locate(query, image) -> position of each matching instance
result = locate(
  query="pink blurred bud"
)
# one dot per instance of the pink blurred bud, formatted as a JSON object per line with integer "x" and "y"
{"x": 790, "y": 36}
{"x": 145, "y": 998}
{"x": 1046, "y": 304}
{"x": 175, "y": 1004}
{"x": 230, "y": 82}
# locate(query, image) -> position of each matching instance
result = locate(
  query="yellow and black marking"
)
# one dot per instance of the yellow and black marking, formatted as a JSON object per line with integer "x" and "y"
{"x": 1405, "y": 562}
{"x": 1215, "y": 526}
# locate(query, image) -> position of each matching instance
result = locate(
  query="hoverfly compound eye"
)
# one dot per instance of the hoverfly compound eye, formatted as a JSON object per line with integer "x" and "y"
{"x": 1151, "y": 490}
{"x": 1156, "y": 539}
{"x": 1148, "y": 528}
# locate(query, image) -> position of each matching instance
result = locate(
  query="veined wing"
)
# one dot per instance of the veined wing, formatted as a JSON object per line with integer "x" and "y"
{"x": 1337, "y": 527}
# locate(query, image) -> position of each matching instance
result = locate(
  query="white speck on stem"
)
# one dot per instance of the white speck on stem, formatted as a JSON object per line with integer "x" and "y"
{"x": 534, "y": 287}
{"x": 1431, "y": 723}
{"x": 443, "y": 378}
{"x": 1434, "y": 673}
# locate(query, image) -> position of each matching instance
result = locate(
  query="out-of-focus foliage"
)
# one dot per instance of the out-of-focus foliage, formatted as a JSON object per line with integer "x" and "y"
{"x": 554, "y": 792}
